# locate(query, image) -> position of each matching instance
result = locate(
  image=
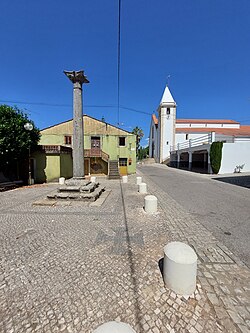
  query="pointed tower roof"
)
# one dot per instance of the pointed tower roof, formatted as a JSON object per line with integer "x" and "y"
{"x": 167, "y": 98}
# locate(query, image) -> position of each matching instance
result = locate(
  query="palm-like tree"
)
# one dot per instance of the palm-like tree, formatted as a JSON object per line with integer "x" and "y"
{"x": 139, "y": 135}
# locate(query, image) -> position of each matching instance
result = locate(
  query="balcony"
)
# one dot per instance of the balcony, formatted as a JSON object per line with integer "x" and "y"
{"x": 57, "y": 149}
{"x": 96, "y": 152}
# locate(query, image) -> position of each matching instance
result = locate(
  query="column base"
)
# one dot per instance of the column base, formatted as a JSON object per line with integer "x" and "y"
{"x": 76, "y": 181}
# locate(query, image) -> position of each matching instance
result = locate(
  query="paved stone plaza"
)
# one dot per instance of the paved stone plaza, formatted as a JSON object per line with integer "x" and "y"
{"x": 72, "y": 266}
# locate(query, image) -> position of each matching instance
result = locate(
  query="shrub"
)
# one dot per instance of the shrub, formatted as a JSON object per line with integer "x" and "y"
{"x": 215, "y": 156}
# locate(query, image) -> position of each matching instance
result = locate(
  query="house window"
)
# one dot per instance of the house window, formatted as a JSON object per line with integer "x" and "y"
{"x": 67, "y": 139}
{"x": 122, "y": 141}
{"x": 168, "y": 110}
{"x": 123, "y": 162}
{"x": 186, "y": 136}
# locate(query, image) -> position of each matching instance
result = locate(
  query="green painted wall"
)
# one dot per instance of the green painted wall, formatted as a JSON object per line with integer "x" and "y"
{"x": 51, "y": 139}
{"x": 40, "y": 162}
{"x": 52, "y": 169}
{"x": 66, "y": 166}
{"x": 109, "y": 144}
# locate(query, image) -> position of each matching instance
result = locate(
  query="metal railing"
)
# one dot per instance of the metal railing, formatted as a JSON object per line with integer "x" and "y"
{"x": 208, "y": 139}
{"x": 202, "y": 140}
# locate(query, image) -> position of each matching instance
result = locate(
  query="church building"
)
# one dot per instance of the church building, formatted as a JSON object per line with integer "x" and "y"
{"x": 188, "y": 141}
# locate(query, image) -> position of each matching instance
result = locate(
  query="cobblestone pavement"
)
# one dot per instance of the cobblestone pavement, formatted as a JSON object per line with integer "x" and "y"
{"x": 69, "y": 268}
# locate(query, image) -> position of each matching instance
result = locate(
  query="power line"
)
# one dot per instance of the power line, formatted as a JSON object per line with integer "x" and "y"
{"x": 135, "y": 110}
{"x": 68, "y": 105}
{"x": 55, "y": 104}
{"x": 36, "y": 103}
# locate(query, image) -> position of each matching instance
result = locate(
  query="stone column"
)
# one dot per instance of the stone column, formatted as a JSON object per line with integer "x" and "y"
{"x": 77, "y": 78}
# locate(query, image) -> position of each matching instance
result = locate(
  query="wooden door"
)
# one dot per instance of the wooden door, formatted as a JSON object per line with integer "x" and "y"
{"x": 95, "y": 146}
{"x": 123, "y": 166}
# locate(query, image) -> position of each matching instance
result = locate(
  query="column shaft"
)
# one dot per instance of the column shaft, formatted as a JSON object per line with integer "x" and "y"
{"x": 78, "y": 138}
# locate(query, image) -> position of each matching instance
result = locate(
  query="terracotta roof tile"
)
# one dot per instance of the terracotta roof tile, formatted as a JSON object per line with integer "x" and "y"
{"x": 243, "y": 130}
{"x": 155, "y": 120}
{"x": 208, "y": 121}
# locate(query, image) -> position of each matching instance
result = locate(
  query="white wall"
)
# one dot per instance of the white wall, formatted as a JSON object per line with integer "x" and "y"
{"x": 166, "y": 127}
{"x": 233, "y": 154}
{"x": 181, "y": 137}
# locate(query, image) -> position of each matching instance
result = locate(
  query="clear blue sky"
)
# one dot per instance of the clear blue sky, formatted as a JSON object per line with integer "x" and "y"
{"x": 203, "y": 44}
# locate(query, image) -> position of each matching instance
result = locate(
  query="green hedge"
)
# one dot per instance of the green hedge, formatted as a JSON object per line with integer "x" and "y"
{"x": 215, "y": 156}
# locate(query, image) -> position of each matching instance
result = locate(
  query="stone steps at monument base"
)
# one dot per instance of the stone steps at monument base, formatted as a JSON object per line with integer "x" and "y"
{"x": 77, "y": 196}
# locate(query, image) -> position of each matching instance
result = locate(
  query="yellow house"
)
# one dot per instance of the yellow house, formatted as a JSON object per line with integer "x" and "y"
{"x": 108, "y": 150}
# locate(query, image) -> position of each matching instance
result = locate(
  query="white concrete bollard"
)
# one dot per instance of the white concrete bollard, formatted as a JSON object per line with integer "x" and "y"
{"x": 61, "y": 181}
{"x": 150, "y": 204}
{"x": 180, "y": 268}
{"x": 138, "y": 180}
{"x": 93, "y": 179}
{"x": 114, "y": 327}
{"x": 142, "y": 188}
{"x": 124, "y": 179}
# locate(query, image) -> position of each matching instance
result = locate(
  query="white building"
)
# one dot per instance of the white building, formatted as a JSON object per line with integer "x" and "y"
{"x": 186, "y": 142}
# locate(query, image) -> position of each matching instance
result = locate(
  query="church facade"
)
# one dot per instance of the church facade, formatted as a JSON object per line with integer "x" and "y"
{"x": 187, "y": 141}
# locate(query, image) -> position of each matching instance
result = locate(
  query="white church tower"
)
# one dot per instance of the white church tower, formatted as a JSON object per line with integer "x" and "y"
{"x": 166, "y": 125}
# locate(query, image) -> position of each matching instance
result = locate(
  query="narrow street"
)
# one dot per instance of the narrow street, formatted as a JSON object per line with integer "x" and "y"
{"x": 222, "y": 208}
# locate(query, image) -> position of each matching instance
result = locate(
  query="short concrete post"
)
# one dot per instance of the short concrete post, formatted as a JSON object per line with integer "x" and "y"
{"x": 124, "y": 179}
{"x": 138, "y": 180}
{"x": 61, "y": 181}
{"x": 180, "y": 268}
{"x": 114, "y": 327}
{"x": 150, "y": 204}
{"x": 93, "y": 179}
{"x": 142, "y": 188}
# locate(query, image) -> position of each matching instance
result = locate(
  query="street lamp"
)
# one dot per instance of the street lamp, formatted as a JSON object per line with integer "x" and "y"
{"x": 29, "y": 127}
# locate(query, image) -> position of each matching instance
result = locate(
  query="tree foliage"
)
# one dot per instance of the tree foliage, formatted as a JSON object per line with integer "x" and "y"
{"x": 143, "y": 152}
{"x": 139, "y": 135}
{"x": 215, "y": 156}
{"x": 15, "y": 141}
